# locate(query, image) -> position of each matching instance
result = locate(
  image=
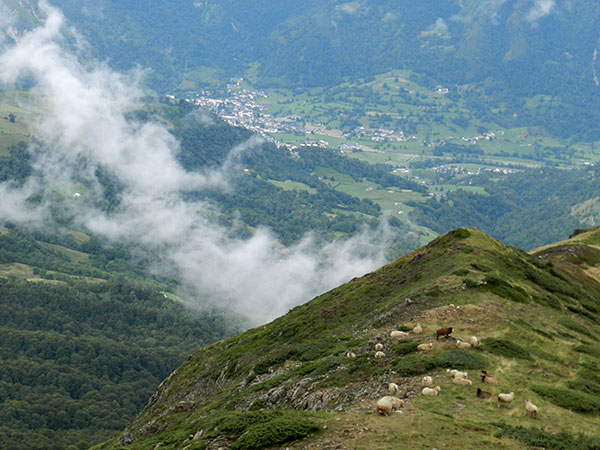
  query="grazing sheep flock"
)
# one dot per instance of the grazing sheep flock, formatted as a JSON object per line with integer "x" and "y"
{"x": 387, "y": 404}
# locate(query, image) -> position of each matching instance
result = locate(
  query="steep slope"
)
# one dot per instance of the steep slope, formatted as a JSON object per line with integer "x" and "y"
{"x": 536, "y": 316}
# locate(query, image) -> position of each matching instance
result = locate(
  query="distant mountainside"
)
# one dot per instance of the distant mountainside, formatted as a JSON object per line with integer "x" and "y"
{"x": 85, "y": 337}
{"x": 536, "y": 316}
{"x": 517, "y": 59}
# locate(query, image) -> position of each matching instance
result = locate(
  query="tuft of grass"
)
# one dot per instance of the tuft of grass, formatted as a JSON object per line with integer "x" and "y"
{"x": 504, "y": 347}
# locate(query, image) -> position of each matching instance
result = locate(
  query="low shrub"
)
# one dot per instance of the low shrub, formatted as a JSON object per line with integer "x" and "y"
{"x": 504, "y": 347}
{"x": 539, "y": 438}
{"x": 275, "y": 432}
{"x": 460, "y": 233}
{"x": 460, "y": 359}
{"x": 579, "y": 402}
{"x": 588, "y": 349}
{"x": 573, "y": 325}
{"x": 414, "y": 365}
{"x": 504, "y": 289}
{"x": 471, "y": 283}
{"x": 481, "y": 267}
{"x": 547, "y": 300}
{"x": 258, "y": 429}
{"x": 405, "y": 347}
{"x": 461, "y": 272}
{"x": 319, "y": 367}
{"x": 584, "y": 385}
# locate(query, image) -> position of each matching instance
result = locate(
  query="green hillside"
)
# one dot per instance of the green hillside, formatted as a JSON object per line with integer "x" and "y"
{"x": 519, "y": 57}
{"x": 85, "y": 338}
{"x": 535, "y": 314}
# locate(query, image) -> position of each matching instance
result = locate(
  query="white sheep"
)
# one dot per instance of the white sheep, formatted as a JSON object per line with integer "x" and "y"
{"x": 425, "y": 347}
{"x": 379, "y": 355}
{"x": 393, "y": 388}
{"x": 397, "y": 403}
{"x": 431, "y": 392}
{"x": 395, "y": 334}
{"x": 350, "y": 355}
{"x": 462, "y": 344}
{"x": 384, "y": 406}
{"x": 505, "y": 398}
{"x": 387, "y": 404}
{"x": 459, "y": 374}
{"x": 418, "y": 329}
{"x": 427, "y": 381}
{"x": 378, "y": 346}
{"x": 531, "y": 409}
{"x": 462, "y": 381}
{"x": 451, "y": 372}
{"x": 474, "y": 340}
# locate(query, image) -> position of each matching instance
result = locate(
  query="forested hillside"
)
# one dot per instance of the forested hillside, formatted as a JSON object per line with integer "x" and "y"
{"x": 85, "y": 337}
{"x": 500, "y": 55}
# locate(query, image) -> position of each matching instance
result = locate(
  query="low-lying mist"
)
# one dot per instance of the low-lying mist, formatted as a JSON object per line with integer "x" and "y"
{"x": 85, "y": 121}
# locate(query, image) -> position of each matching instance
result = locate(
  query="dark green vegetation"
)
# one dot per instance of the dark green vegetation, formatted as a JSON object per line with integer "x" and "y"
{"x": 85, "y": 338}
{"x": 538, "y": 438}
{"x": 535, "y": 323}
{"x": 526, "y": 209}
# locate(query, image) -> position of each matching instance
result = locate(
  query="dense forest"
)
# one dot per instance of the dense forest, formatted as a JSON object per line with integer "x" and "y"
{"x": 82, "y": 347}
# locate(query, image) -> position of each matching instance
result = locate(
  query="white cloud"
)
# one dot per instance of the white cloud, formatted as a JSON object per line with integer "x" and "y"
{"x": 540, "y": 9}
{"x": 85, "y": 123}
{"x": 440, "y": 26}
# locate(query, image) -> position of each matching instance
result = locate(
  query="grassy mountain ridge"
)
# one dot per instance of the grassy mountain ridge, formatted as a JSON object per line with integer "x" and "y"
{"x": 536, "y": 315}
